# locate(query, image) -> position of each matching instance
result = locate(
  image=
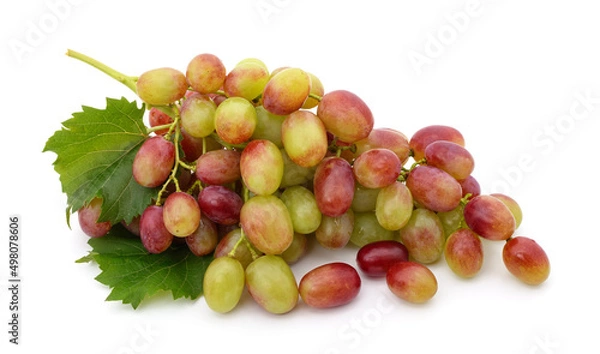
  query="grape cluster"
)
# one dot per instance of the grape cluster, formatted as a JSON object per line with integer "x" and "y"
{"x": 251, "y": 164}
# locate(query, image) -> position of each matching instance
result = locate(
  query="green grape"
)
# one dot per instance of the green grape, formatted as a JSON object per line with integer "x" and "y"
{"x": 297, "y": 249}
{"x": 316, "y": 89}
{"x": 268, "y": 126}
{"x": 304, "y": 138}
{"x": 294, "y": 174}
{"x": 223, "y": 284}
{"x": 452, "y": 220}
{"x": 272, "y": 284}
{"x": 394, "y": 206}
{"x": 181, "y": 214}
{"x": 198, "y": 115}
{"x": 161, "y": 86}
{"x": 365, "y": 199}
{"x": 235, "y": 120}
{"x": 367, "y": 230}
{"x": 247, "y": 79}
{"x": 303, "y": 209}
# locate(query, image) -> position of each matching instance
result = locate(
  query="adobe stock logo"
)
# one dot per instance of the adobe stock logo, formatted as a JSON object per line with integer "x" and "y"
{"x": 437, "y": 42}
{"x": 36, "y": 32}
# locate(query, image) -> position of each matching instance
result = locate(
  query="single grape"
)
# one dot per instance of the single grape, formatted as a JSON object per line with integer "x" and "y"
{"x": 335, "y": 232}
{"x": 294, "y": 174}
{"x": 330, "y": 285}
{"x": 470, "y": 186}
{"x": 286, "y": 91}
{"x": 153, "y": 233}
{"x": 235, "y": 120}
{"x": 223, "y": 284}
{"x": 220, "y": 204}
{"x": 345, "y": 115}
{"x": 133, "y": 226}
{"x": 316, "y": 89}
{"x": 193, "y": 148}
{"x": 365, "y": 199}
{"x": 464, "y": 253}
{"x": 156, "y": 118}
{"x": 333, "y": 186}
{"x": 452, "y": 220}
{"x": 219, "y": 167}
{"x": 205, "y": 73}
{"x": 303, "y": 209}
{"x": 161, "y": 86}
{"x": 489, "y": 217}
{"x": 247, "y": 79}
{"x": 385, "y": 138}
{"x": 243, "y": 251}
{"x": 272, "y": 284}
{"x": 261, "y": 167}
{"x": 204, "y": 240}
{"x": 375, "y": 258}
{"x": 526, "y": 260}
{"x": 367, "y": 230}
{"x": 427, "y": 135}
{"x": 450, "y": 157}
{"x": 181, "y": 214}
{"x": 268, "y": 126}
{"x": 88, "y": 216}
{"x": 304, "y": 138}
{"x": 197, "y": 115}
{"x": 394, "y": 206}
{"x": 433, "y": 188}
{"x": 412, "y": 282}
{"x": 153, "y": 162}
{"x": 512, "y": 205}
{"x": 377, "y": 168}
{"x": 296, "y": 250}
{"x": 267, "y": 224}
{"x": 423, "y": 236}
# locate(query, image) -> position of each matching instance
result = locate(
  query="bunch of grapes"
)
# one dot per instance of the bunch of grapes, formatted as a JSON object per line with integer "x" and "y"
{"x": 251, "y": 164}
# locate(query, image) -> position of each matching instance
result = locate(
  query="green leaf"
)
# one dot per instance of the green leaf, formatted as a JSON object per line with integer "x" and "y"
{"x": 134, "y": 274}
{"x": 95, "y": 151}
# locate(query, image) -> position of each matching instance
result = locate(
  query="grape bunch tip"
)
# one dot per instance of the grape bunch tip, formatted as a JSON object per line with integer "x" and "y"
{"x": 250, "y": 165}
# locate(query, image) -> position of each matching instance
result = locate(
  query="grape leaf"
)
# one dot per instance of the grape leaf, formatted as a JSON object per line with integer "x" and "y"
{"x": 134, "y": 274}
{"x": 95, "y": 151}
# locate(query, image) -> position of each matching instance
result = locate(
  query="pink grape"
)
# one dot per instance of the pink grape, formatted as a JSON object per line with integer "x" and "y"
{"x": 388, "y": 139}
{"x": 423, "y": 236}
{"x": 267, "y": 224}
{"x": 377, "y": 168}
{"x": 335, "y": 232}
{"x": 220, "y": 204}
{"x": 157, "y": 118}
{"x": 345, "y": 115}
{"x": 433, "y": 188}
{"x": 205, "y": 73}
{"x": 153, "y": 162}
{"x": 219, "y": 167}
{"x": 374, "y": 259}
{"x": 204, "y": 240}
{"x": 464, "y": 253}
{"x": 286, "y": 91}
{"x": 181, "y": 214}
{"x": 247, "y": 79}
{"x": 450, "y": 157}
{"x": 526, "y": 260}
{"x": 412, "y": 282}
{"x": 334, "y": 186}
{"x": 490, "y": 218}
{"x": 330, "y": 285}
{"x": 427, "y": 135}
{"x": 304, "y": 138}
{"x": 153, "y": 233}
{"x": 88, "y": 216}
{"x": 261, "y": 167}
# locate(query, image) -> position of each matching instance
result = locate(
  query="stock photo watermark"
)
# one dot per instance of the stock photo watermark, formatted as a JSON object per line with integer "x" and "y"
{"x": 267, "y": 8}
{"x": 140, "y": 341}
{"x": 583, "y": 105}
{"x": 38, "y": 30}
{"x": 352, "y": 333}
{"x": 543, "y": 344}
{"x": 437, "y": 42}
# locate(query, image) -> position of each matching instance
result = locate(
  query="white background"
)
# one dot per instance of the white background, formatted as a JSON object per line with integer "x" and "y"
{"x": 506, "y": 73}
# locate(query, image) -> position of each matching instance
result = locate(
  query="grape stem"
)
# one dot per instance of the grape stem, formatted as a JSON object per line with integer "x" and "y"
{"x": 316, "y": 97}
{"x": 129, "y": 81}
